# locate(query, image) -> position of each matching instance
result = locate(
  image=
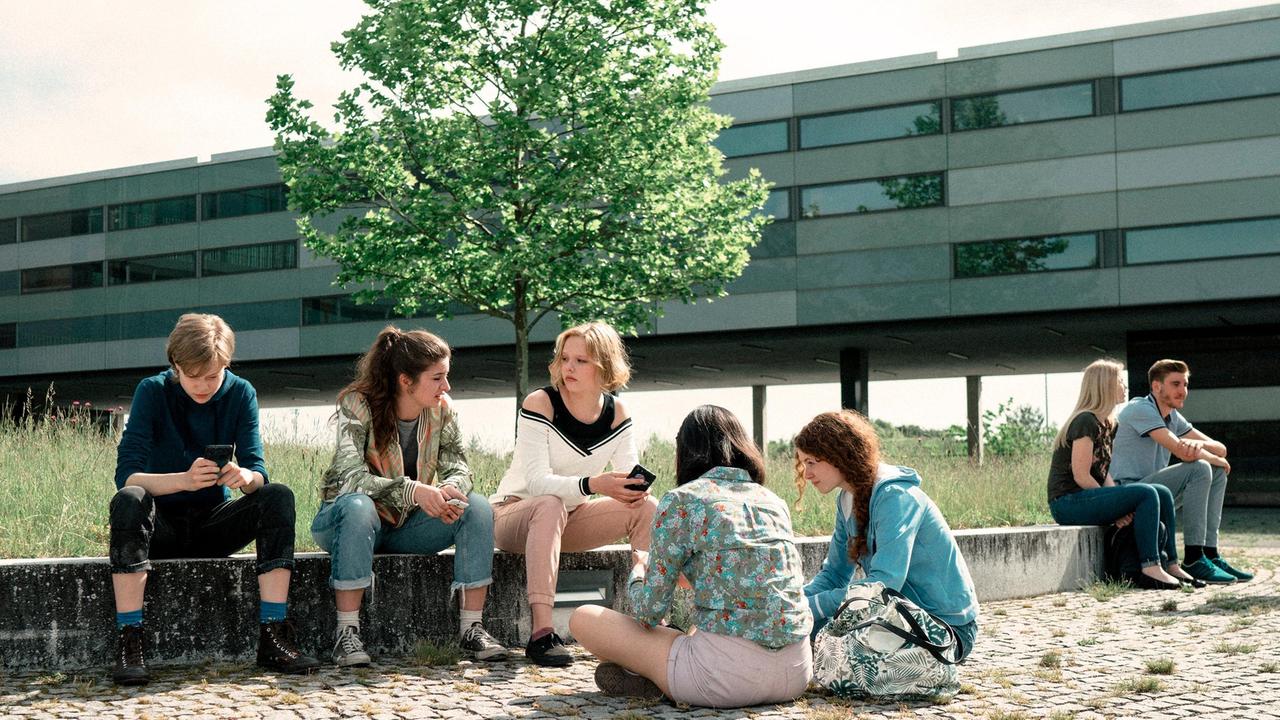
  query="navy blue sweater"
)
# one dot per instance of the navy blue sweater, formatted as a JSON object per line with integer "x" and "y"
{"x": 167, "y": 431}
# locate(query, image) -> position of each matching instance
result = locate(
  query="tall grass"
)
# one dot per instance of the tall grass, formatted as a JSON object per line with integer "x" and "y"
{"x": 56, "y": 483}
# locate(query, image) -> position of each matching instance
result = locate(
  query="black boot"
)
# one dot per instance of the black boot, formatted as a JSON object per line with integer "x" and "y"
{"x": 131, "y": 662}
{"x": 278, "y": 649}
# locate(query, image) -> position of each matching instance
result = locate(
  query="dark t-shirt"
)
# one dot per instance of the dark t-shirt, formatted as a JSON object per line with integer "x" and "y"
{"x": 1086, "y": 424}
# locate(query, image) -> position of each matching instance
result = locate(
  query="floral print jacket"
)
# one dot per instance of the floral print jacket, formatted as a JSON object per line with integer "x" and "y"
{"x": 731, "y": 538}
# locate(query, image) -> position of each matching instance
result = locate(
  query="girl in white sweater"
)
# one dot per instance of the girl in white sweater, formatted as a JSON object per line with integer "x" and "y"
{"x": 556, "y": 494}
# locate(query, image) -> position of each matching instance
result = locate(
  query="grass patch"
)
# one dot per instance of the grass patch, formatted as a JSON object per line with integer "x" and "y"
{"x": 1161, "y": 666}
{"x": 1134, "y": 686}
{"x": 1060, "y": 602}
{"x": 1269, "y": 667}
{"x": 1006, "y": 715}
{"x": 1106, "y": 590}
{"x": 1087, "y": 641}
{"x": 1227, "y": 648}
{"x": 429, "y": 653}
{"x": 55, "y": 485}
{"x": 1051, "y": 659}
{"x": 1162, "y": 622}
{"x": 1169, "y": 606}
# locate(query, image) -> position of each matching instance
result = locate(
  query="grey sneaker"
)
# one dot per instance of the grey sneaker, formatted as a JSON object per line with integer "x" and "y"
{"x": 479, "y": 644}
{"x": 349, "y": 650}
{"x": 613, "y": 679}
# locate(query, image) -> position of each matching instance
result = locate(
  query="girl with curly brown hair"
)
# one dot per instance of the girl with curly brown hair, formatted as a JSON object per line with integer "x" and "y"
{"x": 884, "y": 523}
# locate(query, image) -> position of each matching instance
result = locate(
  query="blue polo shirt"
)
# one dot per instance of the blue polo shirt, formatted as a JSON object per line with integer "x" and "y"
{"x": 1134, "y": 455}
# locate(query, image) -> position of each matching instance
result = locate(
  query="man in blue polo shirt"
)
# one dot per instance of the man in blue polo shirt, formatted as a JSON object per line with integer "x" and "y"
{"x": 1150, "y": 430}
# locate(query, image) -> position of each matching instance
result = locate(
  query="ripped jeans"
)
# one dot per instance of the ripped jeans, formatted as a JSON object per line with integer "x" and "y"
{"x": 350, "y": 530}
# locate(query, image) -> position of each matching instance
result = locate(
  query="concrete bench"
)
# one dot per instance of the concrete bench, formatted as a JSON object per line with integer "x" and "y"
{"x": 59, "y": 614}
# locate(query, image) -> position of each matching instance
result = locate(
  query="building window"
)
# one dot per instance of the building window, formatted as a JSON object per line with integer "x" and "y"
{"x": 1231, "y": 81}
{"x": 1202, "y": 241}
{"x": 62, "y": 277}
{"x": 1026, "y": 255}
{"x": 249, "y": 258}
{"x": 870, "y": 125}
{"x": 9, "y": 282}
{"x": 249, "y": 201}
{"x": 1022, "y": 106}
{"x": 343, "y": 309}
{"x": 62, "y": 224}
{"x": 169, "y": 211}
{"x": 150, "y": 269}
{"x": 8, "y": 336}
{"x": 893, "y": 193}
{"x": 778, "y": 204}
{"x": 154, "y": 323}
{"x": 8, "y": 231}
{"x": 754, "y": 139}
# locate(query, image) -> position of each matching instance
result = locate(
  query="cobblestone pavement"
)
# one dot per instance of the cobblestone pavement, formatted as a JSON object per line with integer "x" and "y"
{"x": 1206, "y": 654}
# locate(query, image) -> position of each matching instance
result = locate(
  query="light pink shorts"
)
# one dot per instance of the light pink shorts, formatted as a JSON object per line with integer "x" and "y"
{"x": 723, "y": 671}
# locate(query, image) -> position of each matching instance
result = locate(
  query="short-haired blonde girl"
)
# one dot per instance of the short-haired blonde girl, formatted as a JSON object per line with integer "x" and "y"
{"x": 556, "y": 494}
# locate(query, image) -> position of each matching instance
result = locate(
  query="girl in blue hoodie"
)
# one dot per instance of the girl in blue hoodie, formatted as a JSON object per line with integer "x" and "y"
{"x": 884, "y": 523}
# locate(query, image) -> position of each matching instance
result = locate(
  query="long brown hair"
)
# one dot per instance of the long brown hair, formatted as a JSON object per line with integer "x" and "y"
{"x": 394, "y": 353}
{"x": 847, "y": 441}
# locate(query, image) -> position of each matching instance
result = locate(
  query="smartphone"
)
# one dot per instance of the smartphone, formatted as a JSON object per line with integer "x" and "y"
{"x": 640, "y": 471}
{"x": 220, "y": 454}
{"x": 457, "y": 503}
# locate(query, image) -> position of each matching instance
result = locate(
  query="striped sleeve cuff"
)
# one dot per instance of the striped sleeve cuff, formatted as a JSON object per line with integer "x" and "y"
{"x": 584, "y": 486}
{"x": 410, "y": 487}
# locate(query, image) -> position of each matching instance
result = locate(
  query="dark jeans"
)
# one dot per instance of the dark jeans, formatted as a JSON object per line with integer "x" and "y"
{"x": 1150, "y": 505}
{"x": 142, "y": 530}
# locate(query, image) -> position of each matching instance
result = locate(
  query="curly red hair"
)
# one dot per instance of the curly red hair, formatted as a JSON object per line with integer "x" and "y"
{"x": 850, "y": 443}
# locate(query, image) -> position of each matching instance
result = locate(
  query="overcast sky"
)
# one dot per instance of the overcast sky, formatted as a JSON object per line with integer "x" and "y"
{"x": 94, "y": 84}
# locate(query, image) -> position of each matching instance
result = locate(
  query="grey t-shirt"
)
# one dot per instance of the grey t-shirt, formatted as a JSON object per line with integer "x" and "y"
{"x": 409, "y": 446}
{"x": 1134, "y": 455}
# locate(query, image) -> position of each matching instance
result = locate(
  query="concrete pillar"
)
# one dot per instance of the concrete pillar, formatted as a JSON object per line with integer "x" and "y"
{"x": 853, "y": 379}
{"x": 759, "y": 397}
{"x": 973, "y": 428}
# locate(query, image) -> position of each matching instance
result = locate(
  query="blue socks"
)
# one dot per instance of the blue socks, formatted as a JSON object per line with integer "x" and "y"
{"x": 125, "y": 619}
{"x": 269, "y": 612}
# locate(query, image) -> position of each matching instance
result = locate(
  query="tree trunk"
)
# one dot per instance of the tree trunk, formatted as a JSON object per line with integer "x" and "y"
{"x": 520, "y": 319}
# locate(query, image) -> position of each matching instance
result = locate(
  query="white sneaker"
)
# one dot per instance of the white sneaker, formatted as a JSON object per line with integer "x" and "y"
{"x": 349, "y": 650}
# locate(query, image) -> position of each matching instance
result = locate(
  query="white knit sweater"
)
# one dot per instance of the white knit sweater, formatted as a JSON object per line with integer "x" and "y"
{"x": 546, "y": 462}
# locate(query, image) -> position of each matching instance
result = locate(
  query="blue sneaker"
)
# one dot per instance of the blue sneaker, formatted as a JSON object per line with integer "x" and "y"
{"x": 1239, "y": 575}
{"x": 1204, "y": 569}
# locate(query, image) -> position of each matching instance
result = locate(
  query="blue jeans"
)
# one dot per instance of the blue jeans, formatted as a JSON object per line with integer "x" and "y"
{"x": 350, "y": 530}
{"x": 1150, "y": 505}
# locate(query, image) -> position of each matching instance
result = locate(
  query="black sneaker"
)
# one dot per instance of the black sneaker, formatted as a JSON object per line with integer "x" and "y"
{"x": 548, "y": 650}
{"x": 131, "y": 662}
{"x": 613, "y": 679}
{"x": 479, "y": 644}
{"x": 278, "y": 649}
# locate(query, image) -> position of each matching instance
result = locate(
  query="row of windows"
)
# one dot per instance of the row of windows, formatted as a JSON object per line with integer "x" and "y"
{"x": 146, "y": 213}
{"x": 1200, "y": 241}
{"x": 1254, "y": 78}
{"x": 1139, "y": 246}
{"x": 174, "y": 266}
{"x": 903, "y": 192}
{"x": 158, "y": 323}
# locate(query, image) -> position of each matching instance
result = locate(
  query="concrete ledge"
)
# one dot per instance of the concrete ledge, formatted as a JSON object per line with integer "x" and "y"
{"x": 59, "y": 614}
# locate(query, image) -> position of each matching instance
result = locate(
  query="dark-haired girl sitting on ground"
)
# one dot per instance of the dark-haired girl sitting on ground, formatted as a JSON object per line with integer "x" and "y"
{"x": 731, "y": 538}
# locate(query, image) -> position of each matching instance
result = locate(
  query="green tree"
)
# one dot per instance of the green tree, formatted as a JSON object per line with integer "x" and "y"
{"x": 976, "y": 113}
{"x": 1010, "y": 430}
{"x": 524, "y": 159}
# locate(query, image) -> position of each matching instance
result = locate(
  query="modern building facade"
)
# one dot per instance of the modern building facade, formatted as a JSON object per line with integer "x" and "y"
{"x": 1022, "y": 207}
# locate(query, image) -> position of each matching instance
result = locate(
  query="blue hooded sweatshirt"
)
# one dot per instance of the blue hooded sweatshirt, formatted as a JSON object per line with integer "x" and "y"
{"x": 167, "y": 431}
{"x": 910, "y": 548}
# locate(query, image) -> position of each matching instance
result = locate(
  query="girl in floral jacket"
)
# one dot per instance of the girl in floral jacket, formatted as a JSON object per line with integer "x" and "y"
{"x": 731, "y": 538}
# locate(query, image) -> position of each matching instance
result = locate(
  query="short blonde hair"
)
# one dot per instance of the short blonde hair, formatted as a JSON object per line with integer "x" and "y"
{"x": 199, "y": 341}
{"x": 606, "y": 350}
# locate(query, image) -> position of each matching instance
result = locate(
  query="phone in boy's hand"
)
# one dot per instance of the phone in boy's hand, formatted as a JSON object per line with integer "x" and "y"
{"x": 220, "y": 454}
{"x": 457, "y": 503}
{"x": 642, "y": 472}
